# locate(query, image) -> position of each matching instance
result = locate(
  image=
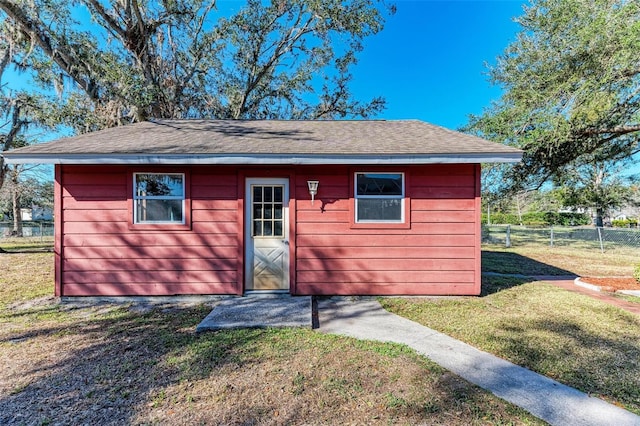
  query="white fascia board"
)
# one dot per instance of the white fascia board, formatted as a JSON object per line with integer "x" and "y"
{"x": 266, "y": 159}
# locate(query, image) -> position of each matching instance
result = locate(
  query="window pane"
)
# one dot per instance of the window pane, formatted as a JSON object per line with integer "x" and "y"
{"x": 158, "y": 185}
{"x": 268, "y": 212}
{"x": 277, "y": 228}
{"x": 277, "y": 212}
{"x": 277, "y": 194}
{"x": 379, "y": 183}
{"x": 257, "y": 211}
{"x": 257, "y": 194}
{"x": 268, "y": 194}
{"x": 379, "y": 209}
{"x": 257, "y": 228}
{"x": 159, "y": 211}
{"x": 268, "y": 229}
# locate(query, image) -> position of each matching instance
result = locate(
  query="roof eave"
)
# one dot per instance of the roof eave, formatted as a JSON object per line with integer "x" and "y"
{"x": 267, "y": 159}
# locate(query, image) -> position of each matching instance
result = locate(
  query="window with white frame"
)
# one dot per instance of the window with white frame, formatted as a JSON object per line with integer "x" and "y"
{"x": 159, "y": 198}
{"x": 379, "y": 197}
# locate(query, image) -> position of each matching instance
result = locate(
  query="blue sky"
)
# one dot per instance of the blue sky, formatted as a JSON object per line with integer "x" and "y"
{"x": 429, "y": 61}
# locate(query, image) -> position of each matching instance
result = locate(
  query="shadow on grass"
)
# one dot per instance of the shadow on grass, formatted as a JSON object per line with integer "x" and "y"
{"x": 493, "y": 284}
{"x": 513, "y": 263}
{"x": 504, "y": 270}
{"x": 123, "y": 367}
{"x": 26, "y": 249}
{"x": 597, "y": 363}
{"x": 111, "y": 364}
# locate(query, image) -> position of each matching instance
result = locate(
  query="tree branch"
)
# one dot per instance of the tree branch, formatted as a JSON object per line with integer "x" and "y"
{"x": 59, "y": 56}
{"x": 615, "y": 131}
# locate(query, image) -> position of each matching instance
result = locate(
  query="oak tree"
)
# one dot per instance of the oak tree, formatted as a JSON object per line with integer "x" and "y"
{"x": 571, "y": 89}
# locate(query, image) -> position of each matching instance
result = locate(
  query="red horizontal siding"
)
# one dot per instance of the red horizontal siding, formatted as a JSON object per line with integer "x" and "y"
{"x": 70, "y": 203}
{"x": 435, "y": 204}
{"x": 213, "y": 204}
{"x": 214, "y": 215}
{"x": 87, "y": 177}
{"x": 153, "y": 264}
{"x": 179, "y": 240}
{"x": 96, "y": 192}
{"x": 439, "y": 192}
{"x": 147, "y": 289}
{"x": 369, "y": 239}
{"x": 139, "y": 276}
{"x": 111, "y": 215}
{"x": 401, "y": 276}
{"x": 105, "y": 255}
{"x": 383, "y": 264}
{"x": 437, "y": 254}
{"x": 127, "y": 253}
{"x": 417, "y": 228}
{"x": 385, "y": 252}
{"x": 444, "y": 288}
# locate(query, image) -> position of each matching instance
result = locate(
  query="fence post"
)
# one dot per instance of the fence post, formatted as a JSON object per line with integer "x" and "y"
{"x": 507, "y": 240}
{"x": 551, "y": 235}
{"x": 600, "y": 238}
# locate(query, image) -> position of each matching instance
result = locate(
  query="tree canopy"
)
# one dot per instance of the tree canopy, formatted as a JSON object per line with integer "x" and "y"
{"x": 571, "y": 83}
{"x": 111, "y": 62}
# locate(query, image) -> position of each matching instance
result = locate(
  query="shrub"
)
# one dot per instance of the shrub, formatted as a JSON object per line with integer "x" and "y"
{"x": 539, "y": 219}
{"x": 625, "y": 223}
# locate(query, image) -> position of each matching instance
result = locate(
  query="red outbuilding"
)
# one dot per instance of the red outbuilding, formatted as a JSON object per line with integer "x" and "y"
{"x": 177, "y": 207}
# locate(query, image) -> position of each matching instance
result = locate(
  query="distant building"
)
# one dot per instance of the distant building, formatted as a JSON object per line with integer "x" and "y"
{"x": 36, "y": 213}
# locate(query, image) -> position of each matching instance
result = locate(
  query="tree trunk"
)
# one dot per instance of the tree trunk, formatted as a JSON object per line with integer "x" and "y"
{"x": 15, "y": 200}
{"x": 599, "y": 216}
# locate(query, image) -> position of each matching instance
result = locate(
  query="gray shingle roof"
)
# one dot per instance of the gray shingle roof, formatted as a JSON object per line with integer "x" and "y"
{"x": 273, "y": 142}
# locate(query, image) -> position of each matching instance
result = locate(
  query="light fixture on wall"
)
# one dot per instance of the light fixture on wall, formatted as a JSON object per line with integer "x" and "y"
{"x": 313, "y": 189}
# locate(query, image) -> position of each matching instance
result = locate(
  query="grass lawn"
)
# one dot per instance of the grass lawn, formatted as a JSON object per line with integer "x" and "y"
{"x": 115, "y": 365}
{"x": 544, "y": 260}
{"x": 570, "y": 337}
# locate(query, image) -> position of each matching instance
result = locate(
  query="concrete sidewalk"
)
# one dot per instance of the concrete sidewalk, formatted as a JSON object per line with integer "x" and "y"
{"x": 259, "y": 312}
{"x": 547, "y": 399}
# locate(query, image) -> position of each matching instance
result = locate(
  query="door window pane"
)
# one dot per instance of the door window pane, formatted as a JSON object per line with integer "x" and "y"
{"x": 268, "y": 211}
{"x": 277, "y": 228}
{"x": 268, "y": 228}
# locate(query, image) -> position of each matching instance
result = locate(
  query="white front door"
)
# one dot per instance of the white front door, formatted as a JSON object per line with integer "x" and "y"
{"x": 267, "y": 234}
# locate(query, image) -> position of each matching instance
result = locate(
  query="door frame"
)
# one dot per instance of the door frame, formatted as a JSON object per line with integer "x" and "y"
{"x": 248, "y": 238}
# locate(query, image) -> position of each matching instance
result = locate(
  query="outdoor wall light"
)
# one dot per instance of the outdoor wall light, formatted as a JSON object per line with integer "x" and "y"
{"x": 313, "y": 189}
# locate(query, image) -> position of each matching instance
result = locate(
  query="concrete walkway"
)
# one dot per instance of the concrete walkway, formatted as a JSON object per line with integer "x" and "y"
{"x": 547, "y": 399}
{"x": 259, "y": 312}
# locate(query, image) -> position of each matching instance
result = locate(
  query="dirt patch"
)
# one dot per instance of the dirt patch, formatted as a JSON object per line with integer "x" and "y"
{"x": 613, "y": 283}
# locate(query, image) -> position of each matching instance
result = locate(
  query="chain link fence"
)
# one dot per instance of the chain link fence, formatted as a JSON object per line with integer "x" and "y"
{"x": 585, "y": 237}
{"x": 29, "y": 229}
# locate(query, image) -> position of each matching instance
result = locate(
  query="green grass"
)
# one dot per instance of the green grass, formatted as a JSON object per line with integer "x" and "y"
{"x": 26, "y": 244}
{"x": 541, "y": 260}
{"x": 152, "y": 368}
{"x": 25, "y": 276}
{"x": 572, "y": 338}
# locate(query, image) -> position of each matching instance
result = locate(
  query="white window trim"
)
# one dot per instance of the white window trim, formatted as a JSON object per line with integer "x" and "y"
{"x": 137, "y": 197}
{"x": 389, "y": 197}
